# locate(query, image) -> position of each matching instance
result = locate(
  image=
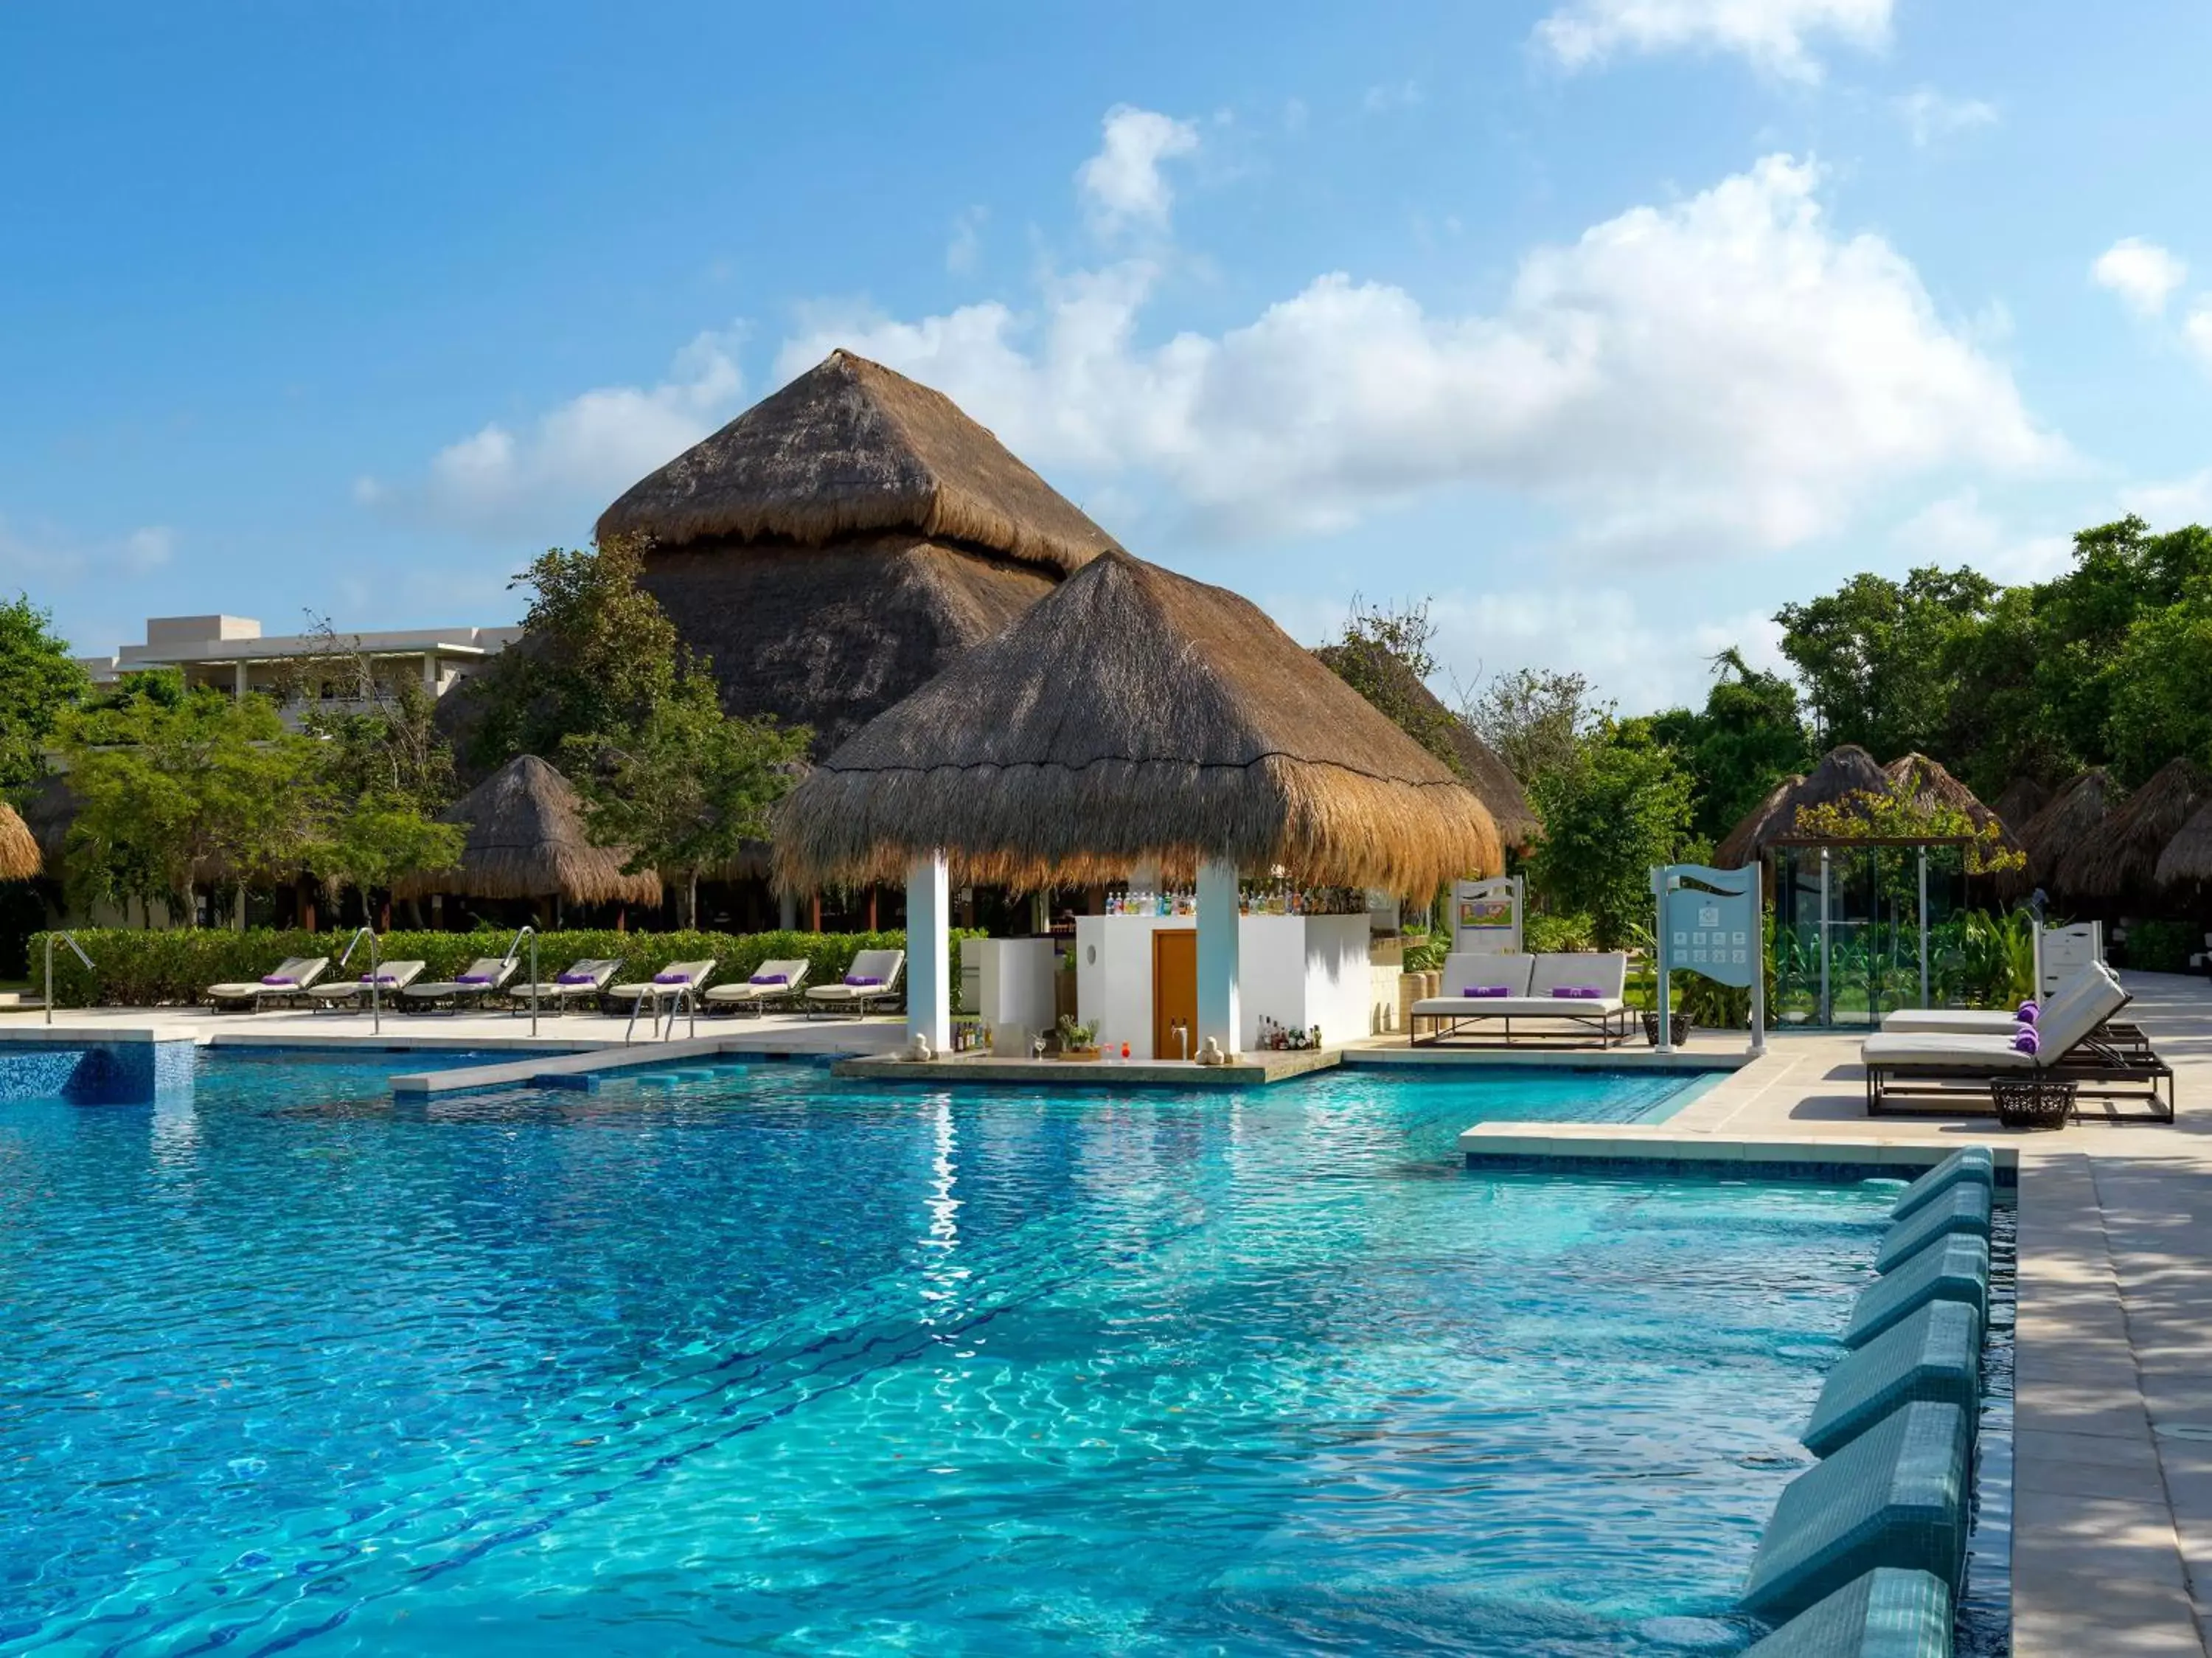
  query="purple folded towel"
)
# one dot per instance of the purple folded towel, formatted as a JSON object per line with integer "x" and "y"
{"x": 278, "y": 978}
{"x": 379, "y": 978}
{"x": 2029, "y": 1013}
{"x": 771, "y": 979}
{"x": 1579, "y": 992}
{"x": 671, "y": 979}
{"x": 861, "y": 981}
{"x": 2027, "y": 1040}
{"x": 1487, "y": 989}
{"x": 472, "y": 978}
{"x": 577, "y": 979}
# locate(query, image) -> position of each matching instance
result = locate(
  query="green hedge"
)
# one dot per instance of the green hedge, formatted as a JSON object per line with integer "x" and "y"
{"x": 2163, "y": 946}
{"x": 138, "y": 969}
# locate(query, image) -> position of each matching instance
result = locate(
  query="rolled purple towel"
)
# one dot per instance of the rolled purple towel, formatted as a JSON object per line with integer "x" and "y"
{"x": 1487, "y": 989}
{"x": 278, "y": 978}
{"x": 2029, "y": 1013}
{"x": 577, "y": 979}
{"x": 771, "y": 979}
{"x": 671, "y": 979}
{"x": 861, "y": 981}
{"x": 1579, "y": 992}
{"x": 379, "y": 978}
{"x": 472, "y": 978}
{"x": 2027, "y": 1040}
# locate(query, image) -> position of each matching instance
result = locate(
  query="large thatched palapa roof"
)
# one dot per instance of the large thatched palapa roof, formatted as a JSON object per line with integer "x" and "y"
{"x": 525, "y": 840}
{"x": 2188, "y": 856}
{"x": 19, "y": 848}
{"x": 2071, "y": 819}
{"x": 1842, "y": 772}
{"x": 1928, "y": 784}
{"x": 1761, "y": 824}
{"x": 1135, "y": 715}
{"x": 2021, "y": 799}
{"x": 838, "y": 543}
{"x": 1477, "y": 763}
{"x": 2122, "y": 856}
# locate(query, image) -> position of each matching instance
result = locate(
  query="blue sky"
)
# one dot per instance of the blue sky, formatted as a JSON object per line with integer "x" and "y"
{"x": 1607, "y": 325}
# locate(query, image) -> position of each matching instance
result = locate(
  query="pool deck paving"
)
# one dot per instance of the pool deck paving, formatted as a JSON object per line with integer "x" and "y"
{"x": 2112, "y": 1466}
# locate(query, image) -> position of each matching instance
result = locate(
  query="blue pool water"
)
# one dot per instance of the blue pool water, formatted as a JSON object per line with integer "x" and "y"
{"x": 773, "y": 1362}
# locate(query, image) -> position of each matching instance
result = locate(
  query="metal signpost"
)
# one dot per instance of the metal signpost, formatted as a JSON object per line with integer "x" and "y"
{"x": 1715, "y": 927}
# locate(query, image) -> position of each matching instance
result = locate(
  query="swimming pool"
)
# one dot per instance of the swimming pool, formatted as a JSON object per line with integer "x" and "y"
{"x": 776, "y": 1361}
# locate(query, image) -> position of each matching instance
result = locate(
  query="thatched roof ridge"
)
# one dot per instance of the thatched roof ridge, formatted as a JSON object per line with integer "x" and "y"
{"x": 19, "y": 848}
{"x": 851, "y": 448}
{"x": 2021, "y": 799}
{"x": 525, "y": 840}
{"x": 2122, "y": 856}
{"x": 1750, "y": 838}
{"x": 1135, "y": 715}
{"x": 1477, "y": 763}
{"x": 1929, "y": 785}
{"x": 2069, "y": 819}
{"x": 2188, "y": 856}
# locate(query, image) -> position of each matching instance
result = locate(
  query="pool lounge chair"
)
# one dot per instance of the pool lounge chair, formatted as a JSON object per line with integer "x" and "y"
{"x": 667, "y": 985}
{"x": 772, "y": 981}
{"x": 1524, "y": 987}
{"x": 287, "y": 981}
{"x": 485, "y": 978}
{"x": 580, "y": 981}
{"x": 2007, "y": 1023}
{"x": 872, "y": 978}
{"x": 1908, "y": 1070}
{"x": 392, "y": 978}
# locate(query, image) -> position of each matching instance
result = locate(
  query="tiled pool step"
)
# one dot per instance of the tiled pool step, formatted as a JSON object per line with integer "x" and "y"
{"x": 1888, "y": 1613}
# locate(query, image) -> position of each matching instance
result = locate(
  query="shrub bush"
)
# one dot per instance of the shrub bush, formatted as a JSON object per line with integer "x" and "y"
{"x": 1551, "y": 935}
{"x": 2163, "y": 946}
{"x": 137, "y": 969}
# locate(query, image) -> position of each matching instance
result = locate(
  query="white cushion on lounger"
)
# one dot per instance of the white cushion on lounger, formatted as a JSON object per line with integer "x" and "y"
{"x": 1989, "y": 1021}
{"x": 2069, "y": 1024}
{"x": 1965, "y": 1053}
{"x": 1465, "y": 968}
{"x": 1515, "y": 1007}
{"x": 1607, "y": 969}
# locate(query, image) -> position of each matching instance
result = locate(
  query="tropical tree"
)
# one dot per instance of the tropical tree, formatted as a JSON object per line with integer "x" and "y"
{"x": 1748, "y": 738}
{"x": 1621, "y": 805}
{"x": 37, "y": 682}
{"x": 1538, "y": 720}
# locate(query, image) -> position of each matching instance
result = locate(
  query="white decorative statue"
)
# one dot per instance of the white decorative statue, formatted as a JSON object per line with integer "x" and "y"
{"x": 918, "y": 1050}
{"x": 1211, "y": 1054}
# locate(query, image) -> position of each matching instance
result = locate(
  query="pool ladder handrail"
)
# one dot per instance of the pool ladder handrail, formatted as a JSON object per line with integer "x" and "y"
{"x": 686, "y": 995}
{"x": 375, "y": 976}
{"x": 69, "y": 939}
{"x": 531, "y": 933}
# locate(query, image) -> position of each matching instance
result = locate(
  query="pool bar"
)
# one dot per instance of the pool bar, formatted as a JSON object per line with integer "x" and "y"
{"x": 1867, "y": 1549}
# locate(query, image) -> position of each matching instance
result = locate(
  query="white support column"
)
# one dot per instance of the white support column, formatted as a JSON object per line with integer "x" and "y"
{"x": 929, "y": 952}
{"x": 1220, "y": 1013}
{"x": 239, "y": 681}
{"x": 430, "y": 677}
{"x": 786, "y": 912}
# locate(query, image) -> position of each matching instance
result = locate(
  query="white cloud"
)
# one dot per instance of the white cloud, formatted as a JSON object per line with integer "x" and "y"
{"x": 1775, "y": 35}
{"x": 2197, "y": 330}
{"x": 1381, "y": 99}
{"x": 2173, "y": 503}
{"x": 1122, "y": 185}
{"x": 2143, "y": 274}
{"x": 1727, "y": 366}
{"x": 967, "y": 244}
{"x": 49, "y": 558}
{"x": 1929, "y": 115}
{"x": 1957, "y": 529}
{"x": 572, "y": 459}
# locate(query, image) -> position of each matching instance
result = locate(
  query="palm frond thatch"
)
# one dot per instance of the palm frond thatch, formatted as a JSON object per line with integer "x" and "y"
{"x": 1135, "y": 715}
{"x": 19, "y": 848}
{"x": 2069, "y": 819}
{"x": 1477, "y": 763}
{"x": 849, "y": 447}
{"x": 1927, "y": 783}
{"x": 2122, "y": 856}
{"x": 525, "y": 839}
{"x": 2021, "y": 799}
{"x": 2188, "y": 856}
{"x": 1750, "y": 838}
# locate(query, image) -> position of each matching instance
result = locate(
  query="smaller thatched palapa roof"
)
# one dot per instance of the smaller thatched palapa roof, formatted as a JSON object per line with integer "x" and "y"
{"x": 1929, "y": 785}
{"x": 1750, "y": 838}
{"x": 2188, "y": 856}
{"x": 19, "y": 848}
{"x": 525, "y": 840}
{"x": 1422, "y": 715}
{"x": 2124, "y": 854}
{"x": 1135, "y": 715}
{"x": 2071, "y": 818}
{"x": 851, "y": 448}
{"x": 2023, "y": 798}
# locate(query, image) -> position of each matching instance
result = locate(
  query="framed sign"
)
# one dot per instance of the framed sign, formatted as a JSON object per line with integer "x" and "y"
{"x": 1486, "y": 915}
{"x": 1712, "y": 922}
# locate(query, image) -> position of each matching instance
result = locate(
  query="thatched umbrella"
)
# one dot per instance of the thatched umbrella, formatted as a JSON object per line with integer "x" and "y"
{"x": 525, "y": 840}
{"x": 1135, "y": 715}
{"x": 1421, "y": 714}
{"x": 19, "y": 848}
{"x": 2023, "y": 798}
{"x": 2122, "y": 856}
{"x": 2071, "y": 819}
{"x": 838, "y": 543}
{"x": 1749, "y": 839}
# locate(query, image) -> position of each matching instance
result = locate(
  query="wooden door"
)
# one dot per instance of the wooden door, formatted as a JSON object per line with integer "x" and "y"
{"x": 1174, "y": 992}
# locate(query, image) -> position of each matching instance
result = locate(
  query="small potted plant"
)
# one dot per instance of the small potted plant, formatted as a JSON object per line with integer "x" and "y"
{"x": 1078, "y": 1042}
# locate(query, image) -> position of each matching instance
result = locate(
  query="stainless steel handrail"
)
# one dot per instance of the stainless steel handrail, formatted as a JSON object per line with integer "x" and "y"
{"x": 69, "y": 939}
{"x": 531, "y": 933}
{"x": 375, "y": 976}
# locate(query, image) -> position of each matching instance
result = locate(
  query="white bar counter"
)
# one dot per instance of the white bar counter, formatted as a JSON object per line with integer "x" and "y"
{"x": 1299, "y": 971}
